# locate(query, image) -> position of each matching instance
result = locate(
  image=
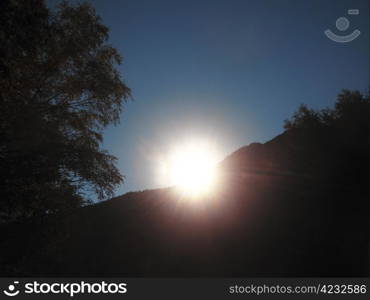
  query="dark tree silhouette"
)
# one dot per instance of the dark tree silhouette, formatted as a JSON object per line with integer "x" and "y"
{"x": 351, "y": 109}
{"x": 338, "y": 136}
{"x": 59, "y": 87}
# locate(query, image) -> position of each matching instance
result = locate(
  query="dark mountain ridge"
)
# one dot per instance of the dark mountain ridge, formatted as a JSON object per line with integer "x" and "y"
{"x": 294, "y": 206}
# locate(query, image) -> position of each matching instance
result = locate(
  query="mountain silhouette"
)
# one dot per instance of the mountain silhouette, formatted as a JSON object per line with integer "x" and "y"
{"x": 296, "y": 205}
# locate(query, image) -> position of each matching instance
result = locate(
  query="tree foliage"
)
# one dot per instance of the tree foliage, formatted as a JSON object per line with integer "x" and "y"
{"x": 351, "y": 110}
{"x": 334, "y": 142}
{"x": 59, "y": 88}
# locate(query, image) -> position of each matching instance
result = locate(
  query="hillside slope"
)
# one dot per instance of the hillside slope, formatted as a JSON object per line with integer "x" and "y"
{"x": 294, "y": 206}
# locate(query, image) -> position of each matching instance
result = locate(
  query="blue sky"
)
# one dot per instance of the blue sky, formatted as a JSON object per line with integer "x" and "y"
{"x": 230, "y": 71}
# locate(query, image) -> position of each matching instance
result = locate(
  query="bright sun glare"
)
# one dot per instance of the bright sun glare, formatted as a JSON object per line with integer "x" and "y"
{"x": 192, "y": 168}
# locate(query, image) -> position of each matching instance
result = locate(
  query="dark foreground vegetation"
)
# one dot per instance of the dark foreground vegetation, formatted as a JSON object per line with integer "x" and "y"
{"x": 297, "y": 205}
{"x": 59, "y": 88}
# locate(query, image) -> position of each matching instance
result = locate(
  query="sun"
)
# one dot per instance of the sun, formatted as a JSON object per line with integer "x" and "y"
{"x": 191, "y": 168}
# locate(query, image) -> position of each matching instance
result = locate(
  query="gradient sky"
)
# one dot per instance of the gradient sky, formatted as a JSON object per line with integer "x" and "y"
{"x": 226, "y": 71}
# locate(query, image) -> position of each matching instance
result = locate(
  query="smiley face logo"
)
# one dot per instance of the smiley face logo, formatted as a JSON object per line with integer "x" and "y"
{"x": 342, "y": 24}
{"x": 11, "y": 292}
